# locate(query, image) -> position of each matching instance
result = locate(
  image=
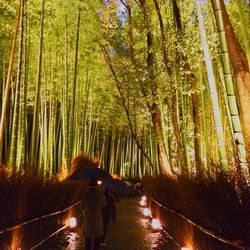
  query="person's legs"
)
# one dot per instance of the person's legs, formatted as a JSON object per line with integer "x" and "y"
{"x": 105, "y": 228}
{"x": 88, "y": 243}
{"x": 97, "y": 243}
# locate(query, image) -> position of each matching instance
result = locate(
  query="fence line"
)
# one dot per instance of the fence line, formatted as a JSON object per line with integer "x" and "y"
{"x": 50, "y": 236}
{"x": 8, "y": 229}
{"x": 206, "y": 231}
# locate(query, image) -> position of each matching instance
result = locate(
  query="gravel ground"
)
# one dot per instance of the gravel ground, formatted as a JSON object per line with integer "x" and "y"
{"x": 130, "y": 232}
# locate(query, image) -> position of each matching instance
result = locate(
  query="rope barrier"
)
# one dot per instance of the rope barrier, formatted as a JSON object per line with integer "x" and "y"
{"x": 172, "y": 238}
{"x": 50, "y": 236}
{"x": 212, "y": 234}
{"x": 8, "y": 229}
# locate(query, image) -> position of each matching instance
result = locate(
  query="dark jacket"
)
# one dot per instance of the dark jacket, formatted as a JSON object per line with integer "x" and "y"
{"x": 109, "y": 211}
{"x": 93, "y": 203}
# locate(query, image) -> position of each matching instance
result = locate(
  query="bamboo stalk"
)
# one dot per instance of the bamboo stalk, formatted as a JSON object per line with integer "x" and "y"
{"x": 212, "y": 88}
{"x": 34, "y": 136}
{"x": 8, "y": 81}
{"x": 15, "y": 122}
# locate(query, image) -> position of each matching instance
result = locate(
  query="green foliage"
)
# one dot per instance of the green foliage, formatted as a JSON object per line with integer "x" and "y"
{"x": 122, "y": 99}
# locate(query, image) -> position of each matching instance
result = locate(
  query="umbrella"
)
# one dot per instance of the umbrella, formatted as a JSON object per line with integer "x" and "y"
{"x": 87, "y": 173}
{"x": 116, "y": 186}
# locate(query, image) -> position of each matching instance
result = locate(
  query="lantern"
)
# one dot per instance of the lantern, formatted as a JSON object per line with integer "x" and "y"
{"x": 156, "y": 225}
{"x": 147, "y": 212}
{"x": 72, "y": 222}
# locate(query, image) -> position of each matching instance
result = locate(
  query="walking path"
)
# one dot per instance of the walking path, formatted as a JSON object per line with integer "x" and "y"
{"x": 130, "y": 232}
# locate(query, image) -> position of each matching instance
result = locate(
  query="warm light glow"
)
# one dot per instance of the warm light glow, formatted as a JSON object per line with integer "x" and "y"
{"x": 116, "y": 176}
{"x": 72, "y": 222}
{"x": 146, "y": 212}
{"x": 99, "y": 183}
{"x": 16, "y": 236}
{"x": 144, "y": 198}
{"x": 186, "y": 248}
{"x": 143, "y": 203}
{"x": 63, "y": 174}
{"x": 155, "y": 224}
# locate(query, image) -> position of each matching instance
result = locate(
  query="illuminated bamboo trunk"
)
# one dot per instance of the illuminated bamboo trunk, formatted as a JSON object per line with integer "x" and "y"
{"x": 85, "y": 111}
{"x": 43, "y": 135}
{"x": 206, "y": 156}
{"x": 117, "y": 153}
{"x": 22, "y": 148}
{"x": 35, "y": 125}
{"x": 242, "y": 73}
{"x": 155, "y": 111}
{"x": 174, "y": 109}
{"x": 88, "y": 133}
{"x": 65, "y": 103}
{"x": 195, "y": 111}
{"x": 78, "y": 118}
{"x": 212, "y": 88}
{"x": 15, "y": 122}
{"x": 74, "y": 86}
{"x": 52, "y": 131}
{"x": 7, "y": 86}
{"x": 232, "y": 104}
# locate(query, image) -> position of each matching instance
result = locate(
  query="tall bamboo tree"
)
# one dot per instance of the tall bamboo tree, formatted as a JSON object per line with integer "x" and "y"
{"x": 8, "y": 81}
{"x": 74, "y": 86}
{"x": 212, "y": 88}
{"x": 35, "y": 124}
{"x": 16, "y": 122}
{"x": 233, "y": 108}
{"x": 241, "y": 70}
{"x": 154, "y": 107}
{"x": 173, "y": 107}
{"x": 195, "y": 97}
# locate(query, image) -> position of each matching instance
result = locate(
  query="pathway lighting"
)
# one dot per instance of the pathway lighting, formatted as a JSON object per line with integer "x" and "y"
{"x": 155, "y": 224}
{"x": 99, "y": 183}
{"x": 72, "y": 222}
{"x": 143, "y": 203}
{"x": 147, "y": 212}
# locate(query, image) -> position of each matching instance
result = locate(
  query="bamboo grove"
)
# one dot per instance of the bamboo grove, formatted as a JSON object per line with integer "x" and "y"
{"x": 147, "y": 87}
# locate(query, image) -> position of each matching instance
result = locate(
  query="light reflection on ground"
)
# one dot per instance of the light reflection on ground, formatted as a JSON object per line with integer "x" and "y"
{"x": 72, "y": 241}
{"x": 158, "y": 240}
{"x": 155, "y": 238}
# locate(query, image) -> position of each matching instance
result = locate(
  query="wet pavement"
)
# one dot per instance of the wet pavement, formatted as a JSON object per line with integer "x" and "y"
{"x": 131, "y": 231}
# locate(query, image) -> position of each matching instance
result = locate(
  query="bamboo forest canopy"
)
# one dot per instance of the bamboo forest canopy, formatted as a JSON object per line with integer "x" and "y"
{"x": 147, "y": 87}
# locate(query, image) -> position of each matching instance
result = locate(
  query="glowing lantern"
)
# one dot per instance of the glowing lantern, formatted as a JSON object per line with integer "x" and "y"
{"x": 155, "y": 224}
{"x": 144, "y": 198}
{"x": 72, "y": 222}
{"x": 186, "y": 248}
{"x": 99, "y": 183}
{"x": 146, "y": 212}
{"x": 143, "y": 203}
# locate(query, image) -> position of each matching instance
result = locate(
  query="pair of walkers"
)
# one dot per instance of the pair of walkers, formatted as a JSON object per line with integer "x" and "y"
{"x": 99, "y": 209}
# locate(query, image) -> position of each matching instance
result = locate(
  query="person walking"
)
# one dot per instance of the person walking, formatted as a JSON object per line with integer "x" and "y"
{"x": 93, "y": 203}
{"x": 109, "y": 213}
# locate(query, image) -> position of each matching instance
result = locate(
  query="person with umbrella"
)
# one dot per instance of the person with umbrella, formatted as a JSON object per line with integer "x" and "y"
{"x": 84, "y": 168}
{"x": 94, "y": 202}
